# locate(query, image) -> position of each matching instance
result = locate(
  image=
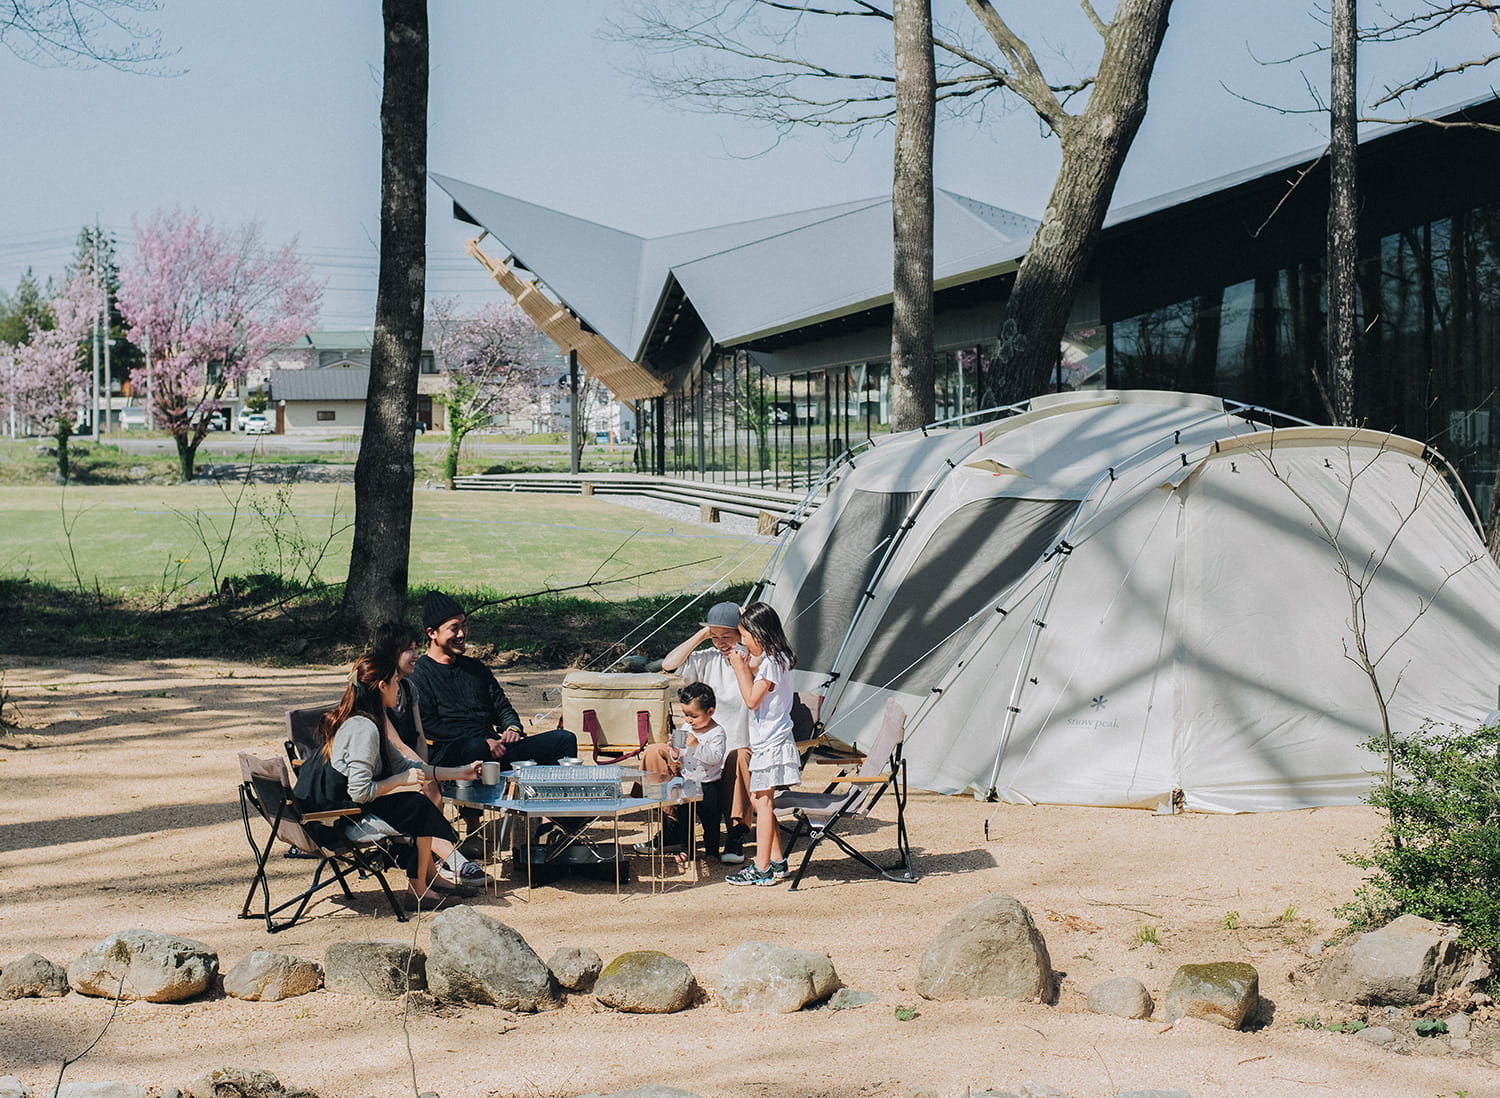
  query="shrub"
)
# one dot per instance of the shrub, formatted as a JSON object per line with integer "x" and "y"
{"x": 1438, "y": 855}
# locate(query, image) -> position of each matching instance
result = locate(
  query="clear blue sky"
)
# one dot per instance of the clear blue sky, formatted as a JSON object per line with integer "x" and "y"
{"x": 274, "y": 116}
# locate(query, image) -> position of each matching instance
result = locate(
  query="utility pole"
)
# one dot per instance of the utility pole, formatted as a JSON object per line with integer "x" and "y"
{"x": 109, "y": 403}
{"x": 573, "y": 433}
{"x": 94, "y": 415}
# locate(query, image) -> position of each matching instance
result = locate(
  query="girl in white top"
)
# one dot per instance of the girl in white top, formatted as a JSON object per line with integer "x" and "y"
{"x": 764, "y": 673}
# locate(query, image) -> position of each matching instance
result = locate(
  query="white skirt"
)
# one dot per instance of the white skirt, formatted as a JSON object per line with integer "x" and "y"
{"x": 774, "y": 776}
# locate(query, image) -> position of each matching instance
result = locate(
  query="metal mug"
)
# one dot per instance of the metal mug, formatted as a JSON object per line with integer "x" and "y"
{"x": 490, "y": 773}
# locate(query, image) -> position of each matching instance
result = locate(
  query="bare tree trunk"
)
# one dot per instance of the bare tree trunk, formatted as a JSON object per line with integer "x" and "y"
{"x": 1343, "y": 217}
{"x": 376, "y": 588}
{"x": 1094, "y": 146}
{"x": 912, "y": 397}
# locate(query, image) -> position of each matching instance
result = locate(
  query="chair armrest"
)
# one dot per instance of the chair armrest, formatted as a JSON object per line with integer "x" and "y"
{"x": 331, "y": 814}
{"x": 862, "y": 779}
{"x": 836, "y": 760}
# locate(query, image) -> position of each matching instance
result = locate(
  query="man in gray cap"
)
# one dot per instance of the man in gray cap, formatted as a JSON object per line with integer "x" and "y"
{"x": 721, "y": 628}
{"x": 465, "y": 712}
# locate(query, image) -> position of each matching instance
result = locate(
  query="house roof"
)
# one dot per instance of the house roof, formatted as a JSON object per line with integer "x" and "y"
{"x": 355, "y": 340}
{"x": 328, "y": 383}
{"x": 748, "y": 277}
{"x": 613, "y": 280}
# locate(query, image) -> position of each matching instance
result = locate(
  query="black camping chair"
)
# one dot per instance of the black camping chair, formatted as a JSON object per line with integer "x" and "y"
{"x": 266, "y": 791}
{"x": 302, "y": 733}
{"x": 850, "y": 796}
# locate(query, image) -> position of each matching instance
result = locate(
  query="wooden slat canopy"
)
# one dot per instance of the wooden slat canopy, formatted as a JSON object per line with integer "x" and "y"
{"x": 627, "y": 380}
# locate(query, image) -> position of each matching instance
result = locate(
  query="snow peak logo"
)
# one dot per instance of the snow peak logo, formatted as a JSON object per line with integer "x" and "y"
{"x": 1097, "y": 704}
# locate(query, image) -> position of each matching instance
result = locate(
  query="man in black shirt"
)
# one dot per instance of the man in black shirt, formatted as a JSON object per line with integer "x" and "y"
{"x": 465, "y": 713}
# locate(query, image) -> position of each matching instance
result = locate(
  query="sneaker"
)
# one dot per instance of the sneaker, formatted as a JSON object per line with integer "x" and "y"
{"x": 778, "y": 870}
{"x": 468, "y": 873}
{"x": 751, "y": 875}
{"x": 659, "y": 848}
{"x": 731, "y": 857}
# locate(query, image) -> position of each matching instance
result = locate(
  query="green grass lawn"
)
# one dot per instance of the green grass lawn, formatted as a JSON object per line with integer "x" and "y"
{"x": 151, "y": 538}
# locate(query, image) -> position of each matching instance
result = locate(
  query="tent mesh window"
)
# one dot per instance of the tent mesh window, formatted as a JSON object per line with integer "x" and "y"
{"x": 978, "y": 553}
{"x": 839, "y": 577}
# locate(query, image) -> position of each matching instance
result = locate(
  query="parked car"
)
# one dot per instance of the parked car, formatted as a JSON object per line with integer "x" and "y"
{"x": 244, "y": 414}
{"x": 218, "y": 420}
{"x": 256, "y": 424}
{"x": 131, "y": 417}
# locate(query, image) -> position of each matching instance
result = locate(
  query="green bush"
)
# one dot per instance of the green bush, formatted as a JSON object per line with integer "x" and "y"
{"x": 1438, "y": 855}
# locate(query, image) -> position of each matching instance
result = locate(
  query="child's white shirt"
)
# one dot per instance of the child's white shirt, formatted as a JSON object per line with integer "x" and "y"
{"x": 705, "y": 762}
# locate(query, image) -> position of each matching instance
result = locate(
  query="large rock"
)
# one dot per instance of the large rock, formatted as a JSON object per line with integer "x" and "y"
{"x": 96, "y": 1090}
{"x": 761, "y": 978}
{"x": 575, "y": 969}
{"x": 1123, "y": 997}
{"x": 477, "y": 959}
{"x": 646, "y": 982}
{"x": 1407, "y": 961}
{"x": 11, "y": 1087}
{"x": 159, "y": 968}
{"x": 33, "y": 977}
{"x": 989, "y": 948}
{"x": 271, "y": 976}
{"x": 380, "y": 970}
{"x": 1223, "y": 992}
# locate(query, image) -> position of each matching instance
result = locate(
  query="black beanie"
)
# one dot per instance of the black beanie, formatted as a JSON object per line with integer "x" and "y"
{"x": 438, "y": 608}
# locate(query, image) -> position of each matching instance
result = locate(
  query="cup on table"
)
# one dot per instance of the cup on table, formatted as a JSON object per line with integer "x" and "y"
{"x": 489, "y": 773}
{"x": 571, "y": 760}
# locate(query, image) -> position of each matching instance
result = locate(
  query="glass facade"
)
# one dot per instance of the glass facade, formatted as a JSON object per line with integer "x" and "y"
{"x": 1427, "y": 367}
{"x": 741, "y": 425}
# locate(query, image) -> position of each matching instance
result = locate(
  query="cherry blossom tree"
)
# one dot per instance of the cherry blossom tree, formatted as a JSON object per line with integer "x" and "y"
{"x": 489, "y": 363}
{"x": 206, "y": 305}
{"x": 47, "y": 383}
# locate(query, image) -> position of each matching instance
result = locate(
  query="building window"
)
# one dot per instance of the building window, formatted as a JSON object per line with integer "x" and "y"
{"x": 325, "y": 415}
{"x": 429, "y": 366}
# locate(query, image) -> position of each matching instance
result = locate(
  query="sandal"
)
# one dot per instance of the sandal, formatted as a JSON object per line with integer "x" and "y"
{"x": 430, "y": 902}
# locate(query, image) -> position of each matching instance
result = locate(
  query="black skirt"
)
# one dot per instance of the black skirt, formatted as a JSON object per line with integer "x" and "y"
{"x": 411, "y": 814}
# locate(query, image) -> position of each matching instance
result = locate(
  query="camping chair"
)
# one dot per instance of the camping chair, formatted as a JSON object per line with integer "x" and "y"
{"x": 266, "y": 790}
{"x": 821, "y": 816}
{"x": 302, "y": 732}
{"x": 606, "y": 752}
{"x": 806, "y": 726}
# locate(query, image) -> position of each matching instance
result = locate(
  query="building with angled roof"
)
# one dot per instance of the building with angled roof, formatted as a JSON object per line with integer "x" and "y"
{"x": 757, "y": 350}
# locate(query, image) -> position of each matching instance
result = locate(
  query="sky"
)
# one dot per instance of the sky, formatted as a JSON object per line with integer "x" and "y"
{"x": 270, "y": 112}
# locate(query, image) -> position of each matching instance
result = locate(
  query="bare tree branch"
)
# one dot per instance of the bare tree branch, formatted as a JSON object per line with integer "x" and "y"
{"x": 82, "y": 33}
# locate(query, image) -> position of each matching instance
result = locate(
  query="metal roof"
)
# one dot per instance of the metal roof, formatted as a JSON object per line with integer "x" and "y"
{"x": 745, "y": 278}
{"x": 613, "y": 280}
{"x": 327, "y": 383}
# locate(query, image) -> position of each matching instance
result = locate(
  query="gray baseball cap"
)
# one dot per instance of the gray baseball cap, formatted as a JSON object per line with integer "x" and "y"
{"x": 723, "y": 615}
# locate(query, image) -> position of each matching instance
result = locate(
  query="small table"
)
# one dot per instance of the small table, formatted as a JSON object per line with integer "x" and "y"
{"x": 572, "y": 852}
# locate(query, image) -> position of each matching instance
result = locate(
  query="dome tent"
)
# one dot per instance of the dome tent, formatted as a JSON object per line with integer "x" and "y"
{"x": 1130, "y": 598}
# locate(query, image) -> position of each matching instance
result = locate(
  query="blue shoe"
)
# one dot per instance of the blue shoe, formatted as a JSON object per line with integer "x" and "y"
{"x": 751, "y": 875}
{"x": 778, "y": 870}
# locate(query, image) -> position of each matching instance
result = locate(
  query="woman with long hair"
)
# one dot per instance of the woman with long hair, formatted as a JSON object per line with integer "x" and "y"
{"x": 406, "y": 739}
{"x": 353, "y": 739}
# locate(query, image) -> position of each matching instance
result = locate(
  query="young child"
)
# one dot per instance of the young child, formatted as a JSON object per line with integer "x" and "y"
{"x": 702, "y": 761}
{"x": 764, "y": 673}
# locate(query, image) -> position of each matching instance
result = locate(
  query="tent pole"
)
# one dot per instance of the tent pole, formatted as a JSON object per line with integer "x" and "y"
{"x": 1012, "y": 709}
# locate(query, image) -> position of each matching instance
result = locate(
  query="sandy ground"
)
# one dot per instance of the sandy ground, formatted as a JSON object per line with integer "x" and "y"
{"x": 122, "y": 813}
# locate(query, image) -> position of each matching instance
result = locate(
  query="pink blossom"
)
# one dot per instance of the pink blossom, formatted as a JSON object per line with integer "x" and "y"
{"x": 207, "y": 304}
{"x": 48, "y": 382}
